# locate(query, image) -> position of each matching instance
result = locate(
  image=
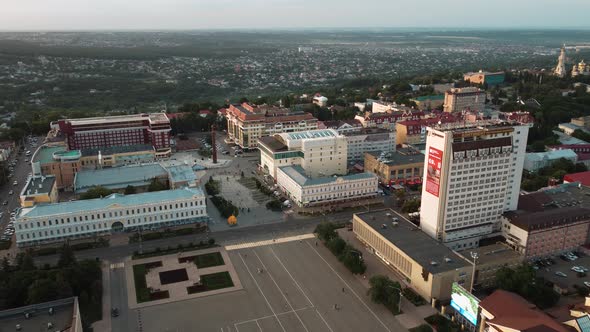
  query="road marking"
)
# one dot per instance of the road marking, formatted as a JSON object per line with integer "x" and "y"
{"x": 322, "y": 317}
{"x": 259, "y": 327}
{"x": 292, "y": 278}
{"x": 261, "y": 292}
{"x": 298, "y": 286}
{"x": 271, "y": 316}
{"x": 117, "y": 265}
{"x": 352, "y": 290}
{"x": 280, "y": 290}
{"x": 269, "y": 242}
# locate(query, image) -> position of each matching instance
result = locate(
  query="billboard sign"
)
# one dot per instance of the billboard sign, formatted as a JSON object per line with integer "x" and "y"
{"x": 464, "y": 303}
{"x": 433, "y": 171}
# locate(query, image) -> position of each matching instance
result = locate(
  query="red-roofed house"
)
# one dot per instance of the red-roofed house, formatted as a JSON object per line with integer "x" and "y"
{"x": 582, "y": 177}
{"x": 504, "y": 311}
{"x": 205, "y": 113}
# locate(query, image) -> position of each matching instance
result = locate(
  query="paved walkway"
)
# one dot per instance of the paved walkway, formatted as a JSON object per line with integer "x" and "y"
{"x": 269, "y": 242}
{"x": 178, "y": 291}
{"x": 411, "y": 316}
{"x": 105, "y": 323}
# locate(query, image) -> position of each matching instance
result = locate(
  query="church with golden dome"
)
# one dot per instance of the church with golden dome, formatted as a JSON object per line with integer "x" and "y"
{"x": 581, "y": 69}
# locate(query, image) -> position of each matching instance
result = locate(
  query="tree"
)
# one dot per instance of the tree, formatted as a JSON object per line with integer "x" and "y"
{"x": 411, "y": 206}
{"x": 129, "y": 190}
{"x": 156, "y": 185}
{"x": 67, "y": 257}
{"x": 42, "y": 290}
{"x": 336, "y": 245}
{"x": 522, "y": 280}
{"x": 25, "y": 262}
{"x": 96, "y": 192}
{"x": 385, "y": 291}
{"x": 352, "y": 259}
{"x": 326, "y": 231}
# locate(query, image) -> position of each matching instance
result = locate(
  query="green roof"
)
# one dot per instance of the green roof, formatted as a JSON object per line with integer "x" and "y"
{"x": 46, "y": 210}
{"x": 297, "y": 173}
{"x": 44, "y": 154}
{"x": 181, "y": 173}
{"x": 433, "y": 97}
{"x": 118, "y": 177}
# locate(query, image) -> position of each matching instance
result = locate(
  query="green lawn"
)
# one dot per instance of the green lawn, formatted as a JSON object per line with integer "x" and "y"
{"x": 209, "y": 260}
{"x": 211, "y": 282}
{"x": 142, "y": 293}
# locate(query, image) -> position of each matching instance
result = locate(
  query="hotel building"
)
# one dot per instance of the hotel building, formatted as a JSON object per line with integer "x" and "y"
{"x": 471, "y": 177}
{"x": 246, "y": 123}
{"x": 46, "y": 223}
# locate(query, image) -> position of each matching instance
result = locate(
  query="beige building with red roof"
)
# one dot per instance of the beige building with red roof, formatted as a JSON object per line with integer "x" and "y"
{"x": 246, "y": 123}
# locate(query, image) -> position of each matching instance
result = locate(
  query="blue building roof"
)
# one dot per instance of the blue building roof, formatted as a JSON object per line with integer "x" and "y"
{"x": 297, "y": 173}
{"x": 181, "y": 173}
{"x": 114, "y": 200}
{"x": 118, "y": 177}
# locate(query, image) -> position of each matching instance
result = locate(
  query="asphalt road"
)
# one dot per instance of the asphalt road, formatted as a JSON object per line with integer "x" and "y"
{"x": 20, "y": 174}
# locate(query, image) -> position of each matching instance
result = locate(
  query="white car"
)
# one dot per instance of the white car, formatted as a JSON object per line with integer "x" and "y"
{"x": 561, "y": 274}
{"x": 577, "y": 269}
{"x": 587, "y": 284}
{"x": 10, "y": 192}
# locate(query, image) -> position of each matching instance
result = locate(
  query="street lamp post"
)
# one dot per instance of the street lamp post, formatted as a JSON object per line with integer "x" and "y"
{"x": 399, "y": 301}
{"x": 474, "y": 255}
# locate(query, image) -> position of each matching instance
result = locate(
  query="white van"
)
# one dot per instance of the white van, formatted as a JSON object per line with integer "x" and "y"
{"x": 28, "y": 153}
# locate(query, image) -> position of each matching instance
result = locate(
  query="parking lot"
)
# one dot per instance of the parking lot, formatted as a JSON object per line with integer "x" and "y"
{"x": 558, "y": 265}
{"x": 292, "y": 286}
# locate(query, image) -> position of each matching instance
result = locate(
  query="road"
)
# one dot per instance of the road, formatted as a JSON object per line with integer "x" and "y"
{"x": 20, "y": 174}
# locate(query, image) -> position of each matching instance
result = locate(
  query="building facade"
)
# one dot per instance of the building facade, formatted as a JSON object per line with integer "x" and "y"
{"x": 153, "y": 129}
{"x": 47, "y": 223}
{"x": 547, "y": 233}
{"x": 402, "y": 167}
{"x": 246, "y": 123}
{"x": 471, "y": 176}
{"x": 367, "y": 140}
{"x": 581, "y": 69}
{"x": 460, "y": 99}
{"x": 428, "y": 267}
{"x": 560, "y": 70}
{"x": 429, "y": 102}
{"x": 305, "y": 191}
{"x": 387, "y": 120}
{"x": 59, "y": 162}
{"x": 320, "y": 152}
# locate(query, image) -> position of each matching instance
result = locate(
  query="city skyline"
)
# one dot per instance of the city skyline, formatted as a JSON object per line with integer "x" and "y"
{"x": 286, "y": 14}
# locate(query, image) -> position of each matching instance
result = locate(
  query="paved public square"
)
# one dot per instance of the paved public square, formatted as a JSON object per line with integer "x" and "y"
{"x": 290, "y": 286}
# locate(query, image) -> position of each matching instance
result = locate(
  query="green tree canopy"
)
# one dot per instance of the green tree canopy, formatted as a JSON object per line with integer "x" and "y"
{"x": 96, "y": 192}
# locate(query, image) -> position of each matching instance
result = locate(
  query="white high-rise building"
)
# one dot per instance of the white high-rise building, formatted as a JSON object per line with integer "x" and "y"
{"x": 472, "y": 175}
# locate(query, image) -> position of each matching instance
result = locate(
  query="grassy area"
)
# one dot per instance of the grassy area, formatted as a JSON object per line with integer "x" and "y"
{"x": 172, "y": 250}
{"x": 142, "y": 292}
{"x": 211, "y": 282}
{"x": 198, "y": 228}
{"x": 209, "y": 260}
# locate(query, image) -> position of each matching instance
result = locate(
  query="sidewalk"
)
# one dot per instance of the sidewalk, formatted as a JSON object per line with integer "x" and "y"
{"x": 412, "y": 315}
{"x": 105, "y": 323}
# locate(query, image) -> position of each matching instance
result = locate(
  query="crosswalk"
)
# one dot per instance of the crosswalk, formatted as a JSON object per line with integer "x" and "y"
{"x": 269, "y": 242}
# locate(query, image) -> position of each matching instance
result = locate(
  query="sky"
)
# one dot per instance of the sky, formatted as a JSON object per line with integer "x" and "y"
{"x": 275, "y": 14}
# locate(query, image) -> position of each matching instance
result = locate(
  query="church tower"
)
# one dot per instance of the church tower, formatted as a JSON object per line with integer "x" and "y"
{"x": 560, "y": 70}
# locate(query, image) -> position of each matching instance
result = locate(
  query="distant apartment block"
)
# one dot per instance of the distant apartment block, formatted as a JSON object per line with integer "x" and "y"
{"x": 122, "y": 130}
{"x": 58, "y": 222}
{"x": 320, "y": 100}
{"x": 246, "y": 123}
{"x": 320, "y": 152}
{"x": 460, "y": 99}
{"x": 388, "y": 120}
{"x": 402, "y": 167}
{"x": 537, "y": 160}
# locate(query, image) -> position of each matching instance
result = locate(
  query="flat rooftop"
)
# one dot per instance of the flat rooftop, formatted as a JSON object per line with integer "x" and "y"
{"x": 62, "y": 317}
{"x": 181, "y": 173}
{"x": 310, "y": 134}
{"x": 118, "y": 177}
{"x": 272, "y": 143}
{"x": 432, "y": 255}
{"x": 404, "y": 156}
{"x": 110, "y": 150}
{"x": 297, "y": 173}
{"x": 45, "y": 153}
{"x": 39, "y": 185}
{"x": 114, "y": 200}
{"x": 494, "y": 253}
{"x": 152, "y": 117}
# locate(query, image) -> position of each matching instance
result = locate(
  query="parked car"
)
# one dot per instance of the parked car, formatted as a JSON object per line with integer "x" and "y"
{"x": 577, "y": 269}
{"x": 10, "y": 192}
{"x": 587, "y": 284}
{"x": 560, "y": 274}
